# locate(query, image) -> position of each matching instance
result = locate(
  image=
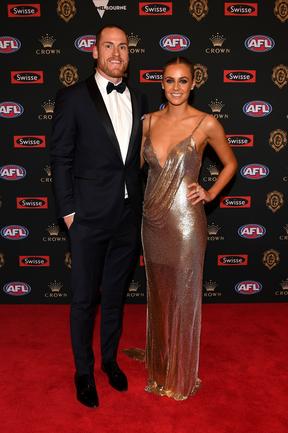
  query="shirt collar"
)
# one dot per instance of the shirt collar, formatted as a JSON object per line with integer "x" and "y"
{"x": 102, "y": 81}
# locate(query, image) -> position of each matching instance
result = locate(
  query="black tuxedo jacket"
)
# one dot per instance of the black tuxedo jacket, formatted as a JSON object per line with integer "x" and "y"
{"x": 87, "y": 168}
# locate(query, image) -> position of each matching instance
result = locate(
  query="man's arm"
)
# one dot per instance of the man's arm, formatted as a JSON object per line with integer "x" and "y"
{"x": 62, "y": 149}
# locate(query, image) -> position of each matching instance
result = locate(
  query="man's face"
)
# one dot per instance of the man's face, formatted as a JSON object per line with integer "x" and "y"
{"x": 112, "y": 54}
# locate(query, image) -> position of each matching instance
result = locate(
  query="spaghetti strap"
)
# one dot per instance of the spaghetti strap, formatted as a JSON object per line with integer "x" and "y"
{"x": 198, "y": 124}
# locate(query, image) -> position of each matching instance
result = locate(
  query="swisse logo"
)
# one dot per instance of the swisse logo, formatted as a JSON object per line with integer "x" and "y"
{"x": 32, "y": 202}
{"x": 174, "y": 42}
{"x": 24, "y": 10}
{"x": 232, "y": 260}
{"x": 154, "y": 8}
{"x": 241, "y": 140}
{"x": 17, "y": 288}
{"x": 14, "y": 232}
{"x": 12, "y": 172}
{"x": 254, "y": 171}
{"x": 85, "y": 43}
{"x": 27, "y": 77}
{"x": 257, "y": 108}
{"x": 239, "y": 76}
{"x": 241, "y": 9}
{"x": 248, "y": 287}
{"x": 259, "y": 43}
{"x": 151, "y": 75}
{"x": 9, "y": 45}
{"x": 251, "y": 231}
{"x": 10, "y": 110}
{"x": 28, "y": 141}
{"x": 234, "y": 202}
{"x": 34, "y": 261}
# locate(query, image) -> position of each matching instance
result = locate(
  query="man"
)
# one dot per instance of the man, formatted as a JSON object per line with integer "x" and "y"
{"x": 95, "y": 152}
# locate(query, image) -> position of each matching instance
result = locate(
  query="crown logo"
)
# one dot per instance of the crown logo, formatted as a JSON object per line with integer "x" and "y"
{"x": 216, "y": 106}
{"x": 47, "y": 41}
{"x": 213, "y": 170}
{"x": 134, "y": 286}
{"x": 213, "y": 229}
{"x": 47, "y": 168}
{"x": 48, "y": 106}
{"x": 286, "y": 228}
{"x": 53, "y": 230}
{"x": 210, "y": 285}
{"x": 284, "y": 284}
{"x": 55, "y": 286}
{"x": 217, "y": 40}
{"x": 133, "y": 40}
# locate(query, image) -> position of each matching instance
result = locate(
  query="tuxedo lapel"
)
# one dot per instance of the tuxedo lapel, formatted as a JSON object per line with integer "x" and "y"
{"x": 135, "y": 123}
{"x": 102, "y": 112}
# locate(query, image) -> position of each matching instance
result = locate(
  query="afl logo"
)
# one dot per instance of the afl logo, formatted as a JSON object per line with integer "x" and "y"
{"x": 259, "y": 43}
{"x": 251, "y": 231}
{"x": 174, "y": 42}
{"x": 10, "y": 110}
{"x": 254, "y": 171}
{"x": 257, "y": 108}
{"x": 85, "y": 43}
{"x": 17, "y": 288}
{"x": 248, "y": 287}
{"x": 12, "y": 172}
{"x": 9, "y": 45}
{"x": 14, "y": 232}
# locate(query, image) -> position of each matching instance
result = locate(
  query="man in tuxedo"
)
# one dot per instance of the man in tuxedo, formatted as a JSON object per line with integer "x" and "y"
{"x": 95, "y": 150}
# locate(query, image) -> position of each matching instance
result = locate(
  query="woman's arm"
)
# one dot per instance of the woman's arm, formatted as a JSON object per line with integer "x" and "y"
{"x": 217, "y": 139}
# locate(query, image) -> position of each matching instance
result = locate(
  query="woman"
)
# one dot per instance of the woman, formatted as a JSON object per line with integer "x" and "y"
{"x": 174, "y": 230}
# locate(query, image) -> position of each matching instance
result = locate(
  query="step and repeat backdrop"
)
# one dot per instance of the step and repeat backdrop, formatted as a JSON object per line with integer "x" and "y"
{"x": 240, "y": 54}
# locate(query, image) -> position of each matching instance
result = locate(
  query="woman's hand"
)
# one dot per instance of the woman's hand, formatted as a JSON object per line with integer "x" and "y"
{"x": 198, "y": 194}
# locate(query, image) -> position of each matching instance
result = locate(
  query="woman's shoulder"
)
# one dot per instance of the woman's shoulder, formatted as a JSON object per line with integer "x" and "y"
{"x": 206, "y": 119}
{"x": 148, "y": 120}
{"x": 148, "y": 116}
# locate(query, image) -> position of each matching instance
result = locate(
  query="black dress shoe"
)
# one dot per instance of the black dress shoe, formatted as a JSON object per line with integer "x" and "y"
{"x": 86, "y": 390}
{"x": 117, "y": 378}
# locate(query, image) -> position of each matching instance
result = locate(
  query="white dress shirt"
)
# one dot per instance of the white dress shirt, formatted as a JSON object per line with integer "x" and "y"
{"x": 119, "y": 108}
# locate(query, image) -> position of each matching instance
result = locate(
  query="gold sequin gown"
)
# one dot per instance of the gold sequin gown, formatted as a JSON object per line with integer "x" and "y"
{"x": 174, "y": 235}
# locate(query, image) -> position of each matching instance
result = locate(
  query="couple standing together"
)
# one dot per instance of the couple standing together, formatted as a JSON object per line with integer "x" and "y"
{"x": 95, "y": 157}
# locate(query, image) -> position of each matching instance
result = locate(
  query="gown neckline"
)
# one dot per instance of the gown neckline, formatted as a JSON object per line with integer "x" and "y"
{"x": 172, "y": 149}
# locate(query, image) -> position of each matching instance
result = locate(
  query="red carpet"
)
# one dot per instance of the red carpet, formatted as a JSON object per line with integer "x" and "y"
{"x": 244, "y": 369}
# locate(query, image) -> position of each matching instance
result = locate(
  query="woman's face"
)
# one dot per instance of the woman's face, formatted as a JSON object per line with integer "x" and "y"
{"x": 177, "y": 83}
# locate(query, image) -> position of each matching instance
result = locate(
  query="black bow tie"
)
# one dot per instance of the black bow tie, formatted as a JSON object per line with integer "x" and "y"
{"x": 119, "y": 88}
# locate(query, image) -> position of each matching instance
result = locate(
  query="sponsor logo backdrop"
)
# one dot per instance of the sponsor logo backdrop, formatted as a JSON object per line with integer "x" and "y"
{"x": 239, "y": 50}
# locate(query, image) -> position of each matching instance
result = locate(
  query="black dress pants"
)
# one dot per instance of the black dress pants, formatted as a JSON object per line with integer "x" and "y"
{"x": 102, "y": 260}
